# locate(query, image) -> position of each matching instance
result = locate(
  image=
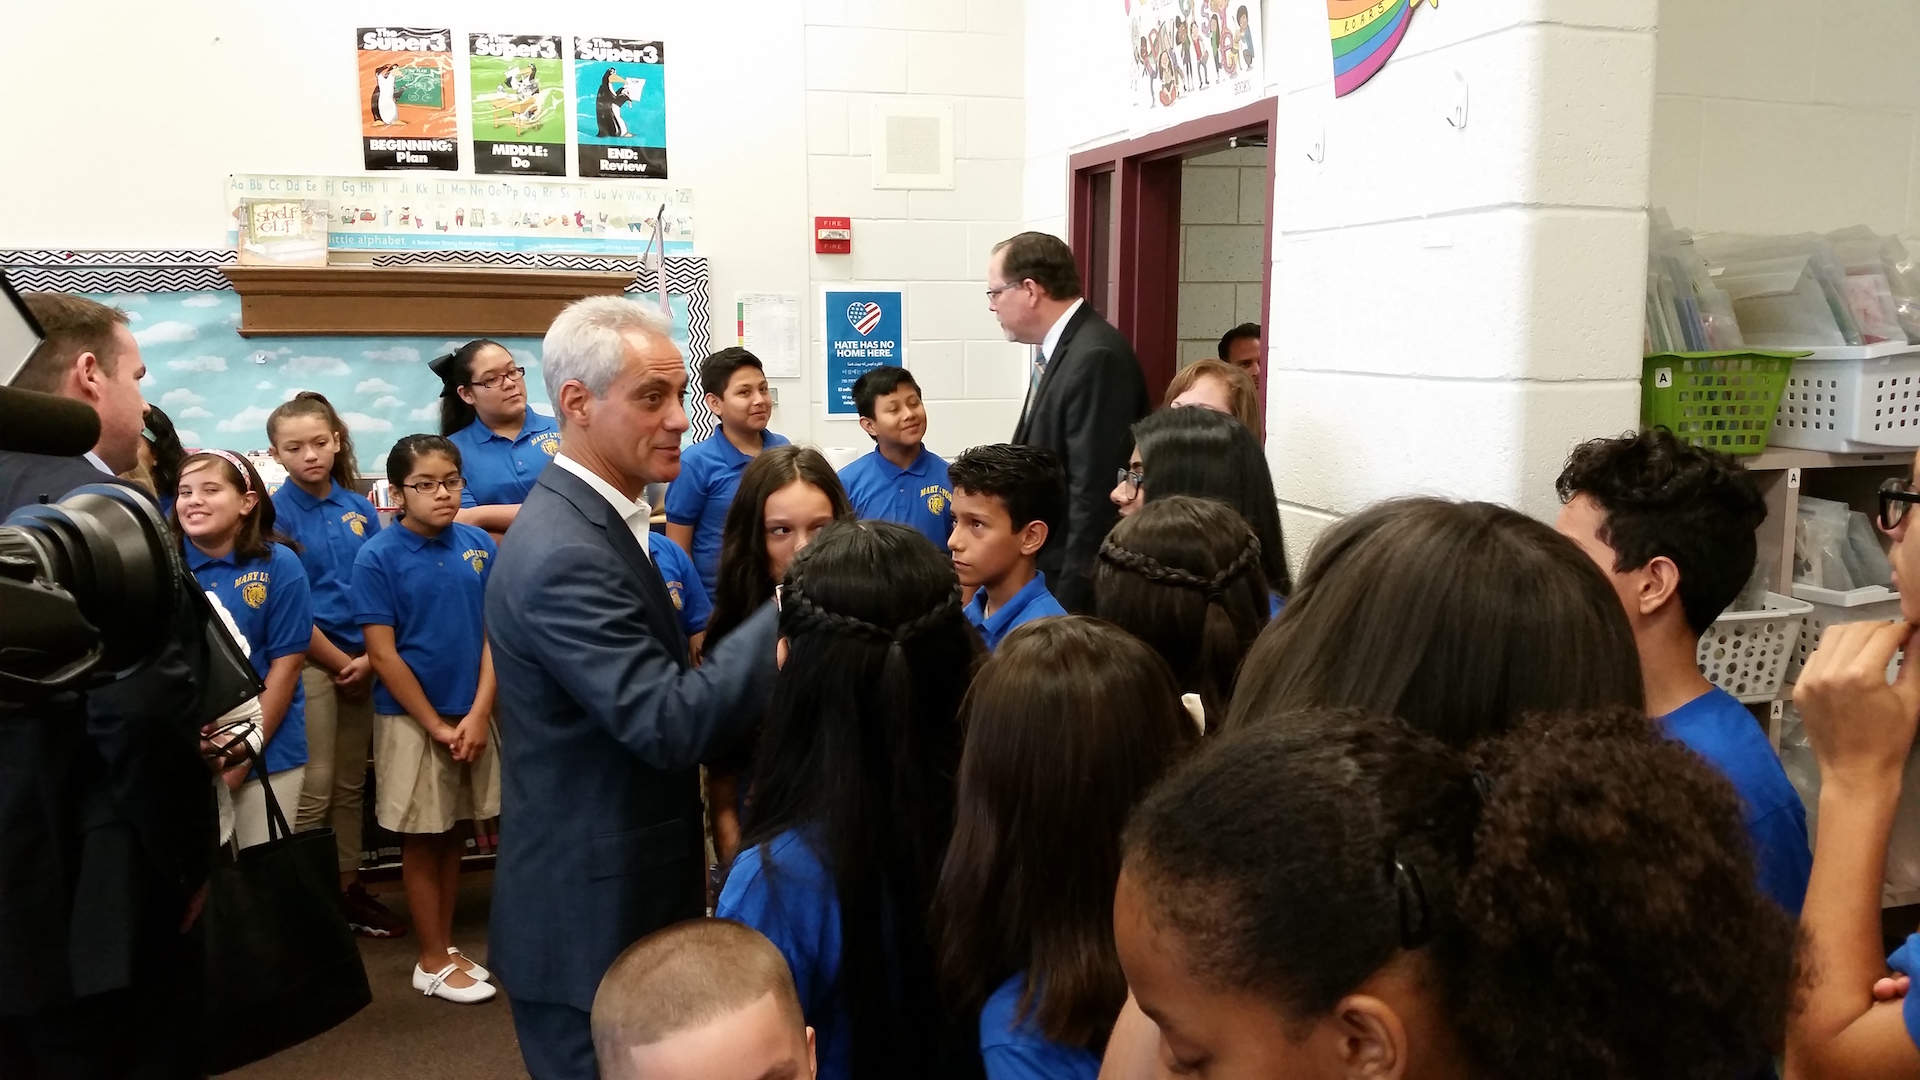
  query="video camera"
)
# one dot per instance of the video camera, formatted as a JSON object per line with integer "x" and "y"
{"x": 90, "y": 584}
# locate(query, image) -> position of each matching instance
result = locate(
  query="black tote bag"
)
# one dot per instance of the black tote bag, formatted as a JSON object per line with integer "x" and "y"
{"x": 282, "y": 964}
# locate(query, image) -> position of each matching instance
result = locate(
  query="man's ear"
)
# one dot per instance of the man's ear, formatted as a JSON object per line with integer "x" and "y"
{"x": 813, "y": 1054}
{"x": 867, "y": 425}
{"x": 571, "y": 408}
{"x": 87, "y": 377}
{"x": 1033, "y": 537}
{"x": 1659, "y": 584}
{"x": 1373, "y": 1039}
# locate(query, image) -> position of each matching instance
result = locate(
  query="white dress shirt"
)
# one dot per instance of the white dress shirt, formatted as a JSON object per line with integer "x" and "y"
{"x": 94, "y": 459}
{"x": 1052, "y": 340}
{"x": 637, "y": 515}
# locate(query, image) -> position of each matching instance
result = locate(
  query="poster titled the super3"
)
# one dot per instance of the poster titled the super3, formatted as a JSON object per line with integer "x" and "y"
{"x": 620, "y": 107}
{"x": 407, "y": 109}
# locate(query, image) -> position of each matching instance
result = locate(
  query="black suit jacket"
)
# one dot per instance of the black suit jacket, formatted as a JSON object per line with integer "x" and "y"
{"x": 602, "y": 728}
{"x": 1084, "y": 410}
{"x": 107, "y": 816}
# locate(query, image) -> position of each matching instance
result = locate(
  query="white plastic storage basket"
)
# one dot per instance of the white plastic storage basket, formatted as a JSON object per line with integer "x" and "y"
{"x": 1851, "y": 405}
{"x": 1746, "y": 653}
{"x": 1830, "y": 607}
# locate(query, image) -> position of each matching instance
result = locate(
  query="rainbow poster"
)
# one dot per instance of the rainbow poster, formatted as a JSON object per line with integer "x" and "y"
{"x": 1365, "y": 34}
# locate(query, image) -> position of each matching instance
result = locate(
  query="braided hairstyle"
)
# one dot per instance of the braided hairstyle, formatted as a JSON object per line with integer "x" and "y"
{"x": 859, "y": 754}
{"x": 1205, "y": 453}
{"x": 1184, "y": 575}
{"x": 1574, "y": 899}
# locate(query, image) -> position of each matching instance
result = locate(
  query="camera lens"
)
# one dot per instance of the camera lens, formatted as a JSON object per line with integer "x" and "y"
{"x": 106, "y": 546}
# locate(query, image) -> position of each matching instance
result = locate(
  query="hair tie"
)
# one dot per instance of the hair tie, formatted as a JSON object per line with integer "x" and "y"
{"x": 1416, "y": 922}
{"x": 246, "y": 475}
{"x": 1482, "y": 786}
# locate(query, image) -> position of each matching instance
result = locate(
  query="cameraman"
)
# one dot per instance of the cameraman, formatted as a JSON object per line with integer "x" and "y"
{"x": 107, "y": 813}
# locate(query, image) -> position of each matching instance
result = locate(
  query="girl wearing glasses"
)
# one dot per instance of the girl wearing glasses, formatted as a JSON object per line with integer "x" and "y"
{"x": 417, "y": 595}
{"x": 505, "y": 445}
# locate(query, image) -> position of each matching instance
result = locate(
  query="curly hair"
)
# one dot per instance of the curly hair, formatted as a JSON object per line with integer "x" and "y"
{"x": 1662, "y": 497}
{"x": 1580, "y": 890}
{"x": 1183, "y": 575}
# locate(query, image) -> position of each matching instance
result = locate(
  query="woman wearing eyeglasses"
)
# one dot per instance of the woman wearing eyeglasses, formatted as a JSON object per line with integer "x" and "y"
{"x": 417, "y": 590}
{"x": 504, "y": 444}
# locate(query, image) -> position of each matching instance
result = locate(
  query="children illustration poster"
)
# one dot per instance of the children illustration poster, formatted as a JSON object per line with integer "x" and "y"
{"x": 863, "y": 331}
{"x": 407, "y": 105}
{"x": 519, "y": 104}
{"x": 620, "y": 107}
{"x": 1193, "y": 57}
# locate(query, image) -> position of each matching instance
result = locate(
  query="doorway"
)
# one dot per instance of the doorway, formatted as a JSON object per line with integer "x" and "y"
{"x": 1167, "y": 255}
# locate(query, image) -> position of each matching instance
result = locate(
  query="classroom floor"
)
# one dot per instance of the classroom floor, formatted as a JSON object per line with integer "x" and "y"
{"x": 404, "y": 1035}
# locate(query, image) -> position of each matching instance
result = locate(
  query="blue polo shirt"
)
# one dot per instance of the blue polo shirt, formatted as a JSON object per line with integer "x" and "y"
{"x": 1906, "y": 961}
{"x": 690, "y": 601}
{"x": 709, "y": 475}
{"x": 783, "y": 890}
{"x": 1017, "y": 1050}
{"x": 429, "y": 590}
{"x": 1720, "y": 729}
{"x": 918, "y": 496}
{"x": 501, "y": 470}
{"x": 330, "y": 532}
{"x": 269, "y": 602}
{"x": 1033, "y": 601}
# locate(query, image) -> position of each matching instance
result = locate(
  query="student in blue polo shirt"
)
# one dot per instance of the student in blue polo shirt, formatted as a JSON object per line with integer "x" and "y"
{"x": 1672, "y": 527}
{"x": 1007, "y": 499}
{"x": 504, "y": 444}
{"x": 735, "y": 384}
{"x": 321, "y": 511}
{"x": 226, "y": 526}
{"x": 690, "y": 601}
{"x": 901, "y": 480}
{"x": 417, "y": 590}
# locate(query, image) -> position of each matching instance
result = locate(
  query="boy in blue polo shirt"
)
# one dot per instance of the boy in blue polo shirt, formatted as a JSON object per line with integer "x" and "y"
{"x": 902, "y": 480}
{"x": 735, "y": 384}
{"x": 1007, "y": 500}
{"x": 1672, "y": 527}
{"x": 690, "y": 602}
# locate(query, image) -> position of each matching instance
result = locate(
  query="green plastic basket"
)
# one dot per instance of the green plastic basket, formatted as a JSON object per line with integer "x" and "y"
{"x": 1722, "y": 400}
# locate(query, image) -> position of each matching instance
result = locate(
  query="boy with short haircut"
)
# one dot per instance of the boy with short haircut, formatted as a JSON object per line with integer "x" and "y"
{"x": 1007, "y": 500}
{"x": 735, "y": 385}
{"x": 707, "y": 999}
{"x": 1672, "y": 526}
{"x": 901, "y": 480}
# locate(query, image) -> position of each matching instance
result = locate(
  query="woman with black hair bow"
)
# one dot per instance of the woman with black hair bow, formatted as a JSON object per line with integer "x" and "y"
{"x": 504, "y": 443}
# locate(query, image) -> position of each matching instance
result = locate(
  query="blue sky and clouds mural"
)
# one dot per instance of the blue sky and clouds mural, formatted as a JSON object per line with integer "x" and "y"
{"x": 218, "y": 387}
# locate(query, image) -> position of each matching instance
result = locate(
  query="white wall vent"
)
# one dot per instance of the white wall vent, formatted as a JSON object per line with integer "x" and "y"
{"x": 912, "y": 144}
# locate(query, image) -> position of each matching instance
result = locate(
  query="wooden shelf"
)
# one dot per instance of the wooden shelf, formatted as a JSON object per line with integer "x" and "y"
{"x": 1774, "y": 459}
{"x": 458, "y": 301}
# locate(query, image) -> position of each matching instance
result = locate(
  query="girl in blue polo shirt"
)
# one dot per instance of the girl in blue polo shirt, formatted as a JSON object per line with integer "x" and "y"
{"x": 320, "y": 509}
{"x": 226, "y": 526}
{"x": 1023, "y": 917}
{"x": 417, "y": 590}
{"x": 504, "y": 445}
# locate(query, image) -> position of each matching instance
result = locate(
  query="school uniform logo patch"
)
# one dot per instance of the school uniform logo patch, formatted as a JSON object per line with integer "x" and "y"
{"x": 937, "y": 498}
{"x": 549, "y": 444}
{"x": 673, "y": 592}
{"x": 355, "y": 521}
{"x": 254, "y": 593}
{"x": 476, "y": 558}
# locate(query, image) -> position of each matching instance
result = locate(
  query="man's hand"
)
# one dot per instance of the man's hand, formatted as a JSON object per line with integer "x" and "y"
{"x": 1861, "y": 727}
{"x": 356, "y": 679}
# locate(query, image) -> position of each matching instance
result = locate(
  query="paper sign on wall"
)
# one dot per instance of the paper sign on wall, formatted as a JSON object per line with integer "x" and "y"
{"x": 620, "y": 107}
{"x": 519, "y": 104}
{"x": 863, "y": 331}
{"x": 1193, "y": 57}
{"x": 768, "y": 326}
{"x": 407, "y": 111}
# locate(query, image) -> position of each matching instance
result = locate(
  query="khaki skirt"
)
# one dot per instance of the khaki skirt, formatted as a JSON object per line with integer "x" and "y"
{"x": 420, "y": 788}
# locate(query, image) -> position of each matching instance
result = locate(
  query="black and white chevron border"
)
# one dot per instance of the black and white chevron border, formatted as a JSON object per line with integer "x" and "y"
{"x": 198, "y": 270}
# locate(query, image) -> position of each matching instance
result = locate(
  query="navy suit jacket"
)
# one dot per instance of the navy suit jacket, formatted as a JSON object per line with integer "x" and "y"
{"x": 603, "y": 725}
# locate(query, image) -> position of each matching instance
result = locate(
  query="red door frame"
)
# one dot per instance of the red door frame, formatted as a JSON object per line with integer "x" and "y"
{"x": 1143, "y": 298}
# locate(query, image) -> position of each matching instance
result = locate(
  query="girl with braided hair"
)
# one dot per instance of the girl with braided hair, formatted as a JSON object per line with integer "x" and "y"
{"x": 1337, "y": 894}
{"x": 854, "y": 794}
{"x": 1183, "y": 575}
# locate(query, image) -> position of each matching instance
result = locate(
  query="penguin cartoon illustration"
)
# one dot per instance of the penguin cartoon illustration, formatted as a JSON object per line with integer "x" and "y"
{"x": 386, "y": 111}
{"x": 607, "y": 106}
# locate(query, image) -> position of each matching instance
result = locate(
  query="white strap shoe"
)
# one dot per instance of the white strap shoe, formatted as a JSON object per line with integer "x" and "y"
{"x": 473, "y": 968}
{"x": 435, "y": 985}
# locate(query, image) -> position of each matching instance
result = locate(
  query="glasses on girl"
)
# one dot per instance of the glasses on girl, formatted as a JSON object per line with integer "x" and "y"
{"x": 1131, "y": 481}
{"x": 510, "y": 377}
{"x": 1896, "y": 495}
{"x": 428, "y": 487}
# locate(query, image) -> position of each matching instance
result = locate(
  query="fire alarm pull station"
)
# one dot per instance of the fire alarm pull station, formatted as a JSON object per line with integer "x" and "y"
{"x": 832, "y": 236}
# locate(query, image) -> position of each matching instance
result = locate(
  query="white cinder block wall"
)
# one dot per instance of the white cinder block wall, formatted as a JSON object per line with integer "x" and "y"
{"x": 1780, "y": 116}
{"x": 932, "y": 243}
{"x": 1452, "y": 308}
{"x": 1223, "y": 236}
